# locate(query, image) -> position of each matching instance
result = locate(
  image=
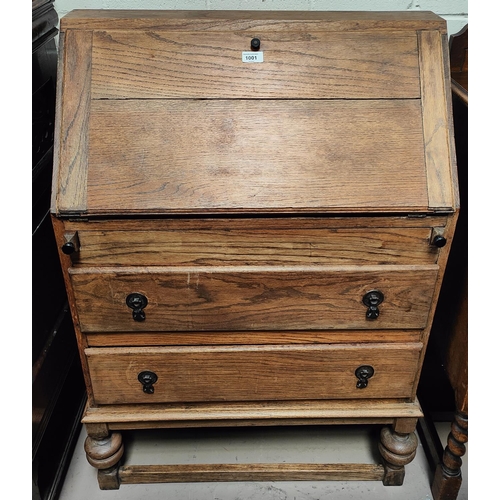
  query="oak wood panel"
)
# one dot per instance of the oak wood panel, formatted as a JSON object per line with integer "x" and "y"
{"x": 251, "y": 373}
{"x": 253, "y": 298}
{"x": 245, "y": 222}
{"x": 260, "y": 21}
{"x": 240, "y": 338}
{"x": 73, "y": 108}
{"x": 138, "y": 474}
{"x": 262, "y": 246}
{"x": 436, "y": 122}
{"x": 273, "y": 412}
{"x": 255, "y": 156}
{"x": 159, "y": 64}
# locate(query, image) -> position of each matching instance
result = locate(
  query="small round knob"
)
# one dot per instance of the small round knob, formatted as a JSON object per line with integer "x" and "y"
{"x": 439, "y": 241}
{"x": 68, "y": 248}
{"x": 255, "y": 44}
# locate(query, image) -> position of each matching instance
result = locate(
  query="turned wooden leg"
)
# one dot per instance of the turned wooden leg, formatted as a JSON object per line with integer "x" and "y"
{"x": 448, "y": 477}
{"x": 397, "y": 450}
{"x": 104, "y": 453}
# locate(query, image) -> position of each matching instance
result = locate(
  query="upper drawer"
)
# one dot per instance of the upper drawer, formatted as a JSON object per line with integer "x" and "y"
{"x": 227, "y": 242}
{"x": 159, "y": 64}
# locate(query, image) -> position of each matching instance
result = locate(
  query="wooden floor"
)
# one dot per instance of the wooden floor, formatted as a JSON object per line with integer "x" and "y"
{"x": 355, "y": 444}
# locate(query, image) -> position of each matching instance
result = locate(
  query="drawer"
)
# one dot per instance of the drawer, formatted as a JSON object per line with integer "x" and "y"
{"x": 268, "y": 242}
{"x": 251, "y": 373}
{"x": 252, "y": 298}
{"x": 137, "y": 64}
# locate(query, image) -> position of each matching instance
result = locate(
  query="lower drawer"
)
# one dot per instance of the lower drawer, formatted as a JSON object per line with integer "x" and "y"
{"x": 251, "y": 373}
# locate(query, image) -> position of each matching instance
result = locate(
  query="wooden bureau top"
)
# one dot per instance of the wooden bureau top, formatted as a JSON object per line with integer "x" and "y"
{"x": 158, "y": 113}
{"x": 215, "y": 20}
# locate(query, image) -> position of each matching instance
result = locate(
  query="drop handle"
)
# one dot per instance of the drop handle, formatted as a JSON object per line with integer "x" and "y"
{"x": 137, "y": 302}
{"x": 372, "y": 300}
{"x": 147, "y": 379}
{"x": 363, "y": 373}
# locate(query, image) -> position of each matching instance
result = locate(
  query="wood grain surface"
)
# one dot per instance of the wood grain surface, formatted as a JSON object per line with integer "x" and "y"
{"x": 224, "y": 246}
{"x": 72, "y": 116}
{"x": 251, "y": 20}
{"x": 255, "y": 156}
{"x": 121, "y": 339}
{"x": 435, "y": 122}
{"x": 251, "y": 373}
{"x": 253, "y": 298}
{"x": 338, "y": 411}
{"x": 157, "y": 64}
{"x": 137, "y": 474}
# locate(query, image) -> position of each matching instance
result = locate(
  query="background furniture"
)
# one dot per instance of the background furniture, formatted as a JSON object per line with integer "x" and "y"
{"x": 57, "y": 390}
{"x": 444, "y": 386}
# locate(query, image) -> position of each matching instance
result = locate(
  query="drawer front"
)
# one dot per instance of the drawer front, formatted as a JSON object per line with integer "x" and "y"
{"x": 252, "y": 298}
{"x": 160, "y": 64}
{"x": 251, "y": 373}
{"x": 257, "y": 244}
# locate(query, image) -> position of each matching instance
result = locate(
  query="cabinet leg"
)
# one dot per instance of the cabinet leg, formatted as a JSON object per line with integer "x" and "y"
{"x": 448, "y": 476}
{"x": 104, "y": 453}
{"x": 397, "y": 450}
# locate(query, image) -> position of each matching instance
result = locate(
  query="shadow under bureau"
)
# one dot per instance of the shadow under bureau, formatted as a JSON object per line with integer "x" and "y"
{"x": 254, "y": 212}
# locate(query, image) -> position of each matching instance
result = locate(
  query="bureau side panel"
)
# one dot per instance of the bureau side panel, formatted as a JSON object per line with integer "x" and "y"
{"x": 73, "y": 109}
{"x": 436, "y": 122}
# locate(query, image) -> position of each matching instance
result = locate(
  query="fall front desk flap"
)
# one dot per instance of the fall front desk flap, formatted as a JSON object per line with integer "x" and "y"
{"x": 217, "y": 113}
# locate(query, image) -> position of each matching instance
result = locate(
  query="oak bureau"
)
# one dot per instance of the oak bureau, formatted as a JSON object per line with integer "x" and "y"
{"x": 254, "y": 212}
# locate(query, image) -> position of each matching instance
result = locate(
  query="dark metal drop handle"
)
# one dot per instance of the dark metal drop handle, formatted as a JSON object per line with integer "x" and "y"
{"x": 372, "y": 300}
{"x": 363, "y": 373}
{"x": 147, "y": 379}
{"x": 137, "y": 302}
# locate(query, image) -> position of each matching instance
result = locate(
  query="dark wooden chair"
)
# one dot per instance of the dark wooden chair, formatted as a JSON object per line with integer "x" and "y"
{"x": 453, "y": 308}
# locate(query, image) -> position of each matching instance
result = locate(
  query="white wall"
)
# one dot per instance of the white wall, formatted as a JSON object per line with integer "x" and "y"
{"x": 454, "y": 11}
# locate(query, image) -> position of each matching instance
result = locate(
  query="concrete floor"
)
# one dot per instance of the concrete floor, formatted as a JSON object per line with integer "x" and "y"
{"x": 355, "y": 444}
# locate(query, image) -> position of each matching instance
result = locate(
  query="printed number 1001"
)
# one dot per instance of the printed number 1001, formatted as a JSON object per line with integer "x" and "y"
{"x": 252, "y": 57}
